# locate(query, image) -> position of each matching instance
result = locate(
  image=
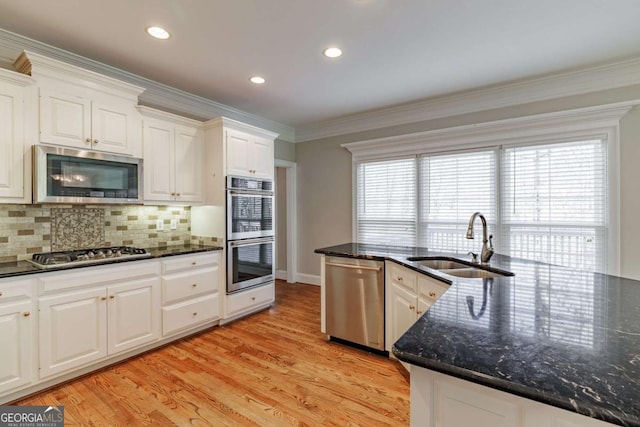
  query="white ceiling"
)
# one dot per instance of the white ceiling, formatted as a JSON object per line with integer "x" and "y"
{"x": 395, "y": 51}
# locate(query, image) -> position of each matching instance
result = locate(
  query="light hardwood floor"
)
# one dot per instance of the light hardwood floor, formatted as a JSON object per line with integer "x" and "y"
{"x": 273, "y": 368}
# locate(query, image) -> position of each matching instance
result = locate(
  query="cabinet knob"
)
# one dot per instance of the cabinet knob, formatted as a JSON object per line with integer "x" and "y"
{"x": 87, "y": 140}
{"x": 95, "y": 141}
{"x": 399, "y": 279}
{"x": 26, "y": 314}
{"x": 103, "y": 299}
{"x": 194, "y": 285}
{"x": 253, "y": 298}
{"x": 178, "y": 194}
{"x": 432, "y": 294}
{"x": 0, "y": 294}
{"x": 112, "y": 296}
{"x": 195, "y": 313}
{"x": 193, "y": 263}
{"x": 173, "y": 194}
{"x": 412, "y": 307}
{"x": 418, "y": 312}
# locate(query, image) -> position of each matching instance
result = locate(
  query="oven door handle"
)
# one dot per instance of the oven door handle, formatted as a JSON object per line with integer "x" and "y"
{"x": 236, "y": 243}
{"x": 257, "y": 193}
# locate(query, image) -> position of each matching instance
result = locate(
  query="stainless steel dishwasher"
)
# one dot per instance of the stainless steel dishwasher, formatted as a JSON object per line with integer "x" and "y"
{"x": 355, "y": 301}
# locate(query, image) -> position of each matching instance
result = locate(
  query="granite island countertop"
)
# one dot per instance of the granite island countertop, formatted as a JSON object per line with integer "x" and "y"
{"x": 21, "y": 268}
{"x": 560, "y": 336}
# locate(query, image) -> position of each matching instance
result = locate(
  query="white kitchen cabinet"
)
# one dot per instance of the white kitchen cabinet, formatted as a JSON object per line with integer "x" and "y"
{"x": 92, "y": 313}
{"x": 77, "y": 121}
{"x": 83, "y": 109}
{"x": 173, "y": 152}
{"x": 246, "y": 302}
{"x": 190, "y": 291}
{"x": 17, "y": 118}
{"x": 409, "y": 295}
{"x": 17, "y": 334}
{"x": 249, "y": 155}
{"x": 439, "y": 400}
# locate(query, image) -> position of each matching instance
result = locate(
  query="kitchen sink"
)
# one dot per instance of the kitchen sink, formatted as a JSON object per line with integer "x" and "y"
{"x": 474, "y": 273}
{"x": 458, "y": 268}
{"x": 438, "y": 263}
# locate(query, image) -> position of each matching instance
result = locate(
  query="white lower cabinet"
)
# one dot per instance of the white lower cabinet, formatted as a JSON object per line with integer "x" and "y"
{"x": 17, "y": 334}
{"x": 90, "y": 314}
{"x": 409, "y": 295}
{"x": 438, "y": 400}
{"x": 245, "y": 302}
{"x": 190, "y": 291}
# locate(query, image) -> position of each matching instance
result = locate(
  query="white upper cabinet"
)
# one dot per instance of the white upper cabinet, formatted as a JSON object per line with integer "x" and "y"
{"x": 84, "y": 109}
{"x": 173, "y": 157}
{"x": 17, "y": 114}
{"x": 249, "y": 155}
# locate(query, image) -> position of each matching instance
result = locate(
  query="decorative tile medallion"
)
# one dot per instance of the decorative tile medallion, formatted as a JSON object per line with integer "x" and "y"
{"x": 77, "y": 228}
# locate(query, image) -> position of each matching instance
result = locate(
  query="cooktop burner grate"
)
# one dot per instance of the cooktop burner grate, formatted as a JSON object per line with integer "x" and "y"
{"x": 62, "y": 259}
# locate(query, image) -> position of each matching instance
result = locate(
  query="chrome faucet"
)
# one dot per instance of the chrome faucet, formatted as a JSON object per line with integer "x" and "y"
{"x": 487, "y": 244}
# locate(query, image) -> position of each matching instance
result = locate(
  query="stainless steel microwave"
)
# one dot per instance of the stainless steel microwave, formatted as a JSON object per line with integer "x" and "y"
{"x": 66, "y": 175}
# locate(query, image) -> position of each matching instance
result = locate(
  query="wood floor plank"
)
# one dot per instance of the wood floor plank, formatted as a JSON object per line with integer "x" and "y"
{"x": 273, "y": 368}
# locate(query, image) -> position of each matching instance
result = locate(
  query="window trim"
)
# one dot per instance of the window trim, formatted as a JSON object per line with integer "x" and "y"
{"x": 591, "y": 122}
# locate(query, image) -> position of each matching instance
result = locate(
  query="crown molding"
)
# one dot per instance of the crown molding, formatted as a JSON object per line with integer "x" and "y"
{"x": 152, "y": 113}
{"x": 156, "y": 95}
{"x": 220, "y": 122}
{"x": 536, "y": 128}
{"x": 593, "y": 79}
{"x": 16, "y": 78}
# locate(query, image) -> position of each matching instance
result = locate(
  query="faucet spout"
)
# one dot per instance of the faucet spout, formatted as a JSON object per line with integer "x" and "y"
{"x": 487, "y": 244}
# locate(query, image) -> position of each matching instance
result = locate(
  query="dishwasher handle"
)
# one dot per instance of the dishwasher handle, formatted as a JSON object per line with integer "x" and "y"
{"x": 353, "y": 266}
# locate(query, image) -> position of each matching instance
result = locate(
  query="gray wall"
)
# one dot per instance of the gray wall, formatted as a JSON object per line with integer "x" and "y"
{"x": 284, "y": 150}
{"x": 325, "y": 173}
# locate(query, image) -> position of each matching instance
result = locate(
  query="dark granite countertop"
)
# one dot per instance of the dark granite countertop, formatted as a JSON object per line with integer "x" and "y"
{"x": 561, "y": 336}
{"x": 21, "y": 268}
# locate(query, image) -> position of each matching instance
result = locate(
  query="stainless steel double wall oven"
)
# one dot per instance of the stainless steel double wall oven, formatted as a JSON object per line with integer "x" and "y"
{"x": 250, "y": 233}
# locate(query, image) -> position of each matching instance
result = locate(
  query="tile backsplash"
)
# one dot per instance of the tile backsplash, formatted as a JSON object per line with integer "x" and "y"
{"x": 28, "y": 229}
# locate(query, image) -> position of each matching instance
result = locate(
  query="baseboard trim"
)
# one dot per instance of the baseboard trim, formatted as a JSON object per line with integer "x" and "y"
{"x": 310, "y": 279}
{"x": 281, "y": 274}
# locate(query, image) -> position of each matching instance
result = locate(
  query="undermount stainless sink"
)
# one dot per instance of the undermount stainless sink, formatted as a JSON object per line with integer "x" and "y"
{"x": 438, "y": 263}
{"x": 459, "y": 268}
{"x": 474, "y": 273}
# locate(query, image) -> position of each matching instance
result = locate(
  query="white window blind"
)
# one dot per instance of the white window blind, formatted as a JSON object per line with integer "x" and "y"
{"x": 543, "y": 202}
{"x": 555, "y": 203}
{"x": 452, "y": 188}
{"x": 386, "y": 202}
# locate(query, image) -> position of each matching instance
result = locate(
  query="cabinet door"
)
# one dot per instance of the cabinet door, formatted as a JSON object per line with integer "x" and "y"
{"x": 11, "y": 141}
{"x": 65, "y": 119}
{"x": 158, "y": 161}
{"x": 112, "y": 125}
{"x": 72, "y": 330}
{"x": 238, "y": 153}
{"x": 402, "y": 311}
{"x": 16, "y": 342}
{"x": 134, "y": 314}
{"x": 262, "y": 158}
{"x": 188, "y": 158}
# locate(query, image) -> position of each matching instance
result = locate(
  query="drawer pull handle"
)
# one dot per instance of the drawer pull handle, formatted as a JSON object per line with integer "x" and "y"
{"x": 194, "y": 285}
{"x": 412, "y": 307}
{"x": 26, "y": 314}
{"x": 195, "y": 313}
{"x": 432, "y": 294}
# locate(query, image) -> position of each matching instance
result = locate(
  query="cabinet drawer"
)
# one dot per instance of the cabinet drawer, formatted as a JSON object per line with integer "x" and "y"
{"x": 187, "y": 285}
{"x": 15, "y": 289}
{"x": 430, "y": 289}
{"x": 403, "y": 276}
{"x": 244, "y": 301}
{"x": 184, "y": 262}
{"x": 189, "y": 313}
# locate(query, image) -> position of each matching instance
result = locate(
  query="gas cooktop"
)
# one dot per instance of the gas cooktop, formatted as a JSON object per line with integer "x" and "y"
{"x": 64, "y": 259}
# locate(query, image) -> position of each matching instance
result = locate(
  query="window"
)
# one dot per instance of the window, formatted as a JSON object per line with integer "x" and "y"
{"x": 544, "y": 202}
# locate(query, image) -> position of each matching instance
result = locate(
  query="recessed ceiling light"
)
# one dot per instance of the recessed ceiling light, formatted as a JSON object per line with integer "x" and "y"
{"x": 158, "y": 32}
{"x": 257, "y": 80}
{"x": 332, "y": 52}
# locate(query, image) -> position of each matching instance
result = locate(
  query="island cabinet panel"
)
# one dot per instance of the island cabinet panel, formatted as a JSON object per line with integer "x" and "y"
{"x": 439, "y": 400}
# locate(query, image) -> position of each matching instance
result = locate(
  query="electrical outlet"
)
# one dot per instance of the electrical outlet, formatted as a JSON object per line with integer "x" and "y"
{"x": 174, "y": 224}
{"x": 159, "y": 225}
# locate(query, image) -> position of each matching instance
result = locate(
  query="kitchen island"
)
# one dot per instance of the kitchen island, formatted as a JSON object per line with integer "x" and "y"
{"x": 549, "y": 334}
